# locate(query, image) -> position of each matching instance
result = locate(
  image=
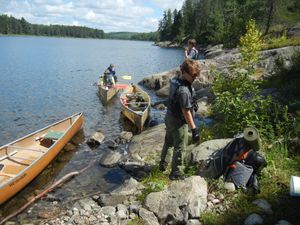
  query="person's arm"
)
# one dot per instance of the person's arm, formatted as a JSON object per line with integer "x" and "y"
{"x": 189, "y": 118}
{"x": 186, "y": 55}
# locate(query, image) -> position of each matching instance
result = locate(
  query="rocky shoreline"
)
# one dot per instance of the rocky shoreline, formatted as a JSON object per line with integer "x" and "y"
{"x": 173, "y": 202}
{"x": 177, "y": 202}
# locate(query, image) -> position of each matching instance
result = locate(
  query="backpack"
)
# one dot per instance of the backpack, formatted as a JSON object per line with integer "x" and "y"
{"x": 219, "y": 161}
{"x": 196, "y": 56}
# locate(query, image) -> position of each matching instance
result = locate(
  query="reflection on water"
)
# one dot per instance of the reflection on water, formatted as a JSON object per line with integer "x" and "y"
{"x": 44, "y": 80}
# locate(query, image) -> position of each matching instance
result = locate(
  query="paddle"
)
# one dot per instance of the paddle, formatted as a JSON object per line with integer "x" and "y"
{"x": 130, "y": 103}
{"x": 126, "y": 77}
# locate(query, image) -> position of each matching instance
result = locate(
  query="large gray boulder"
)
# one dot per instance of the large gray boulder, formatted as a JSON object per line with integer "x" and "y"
{"x": 213, "y": 51}
{"x": 146, "y": 147}
{"x": 202, "y": 152}
{"x": 223, "y": 58}
{"x": 159, "y": 80}
{"x": 148, "y": 217}
{"x": 164, "y": 91}
{"x": 181, "y": 201}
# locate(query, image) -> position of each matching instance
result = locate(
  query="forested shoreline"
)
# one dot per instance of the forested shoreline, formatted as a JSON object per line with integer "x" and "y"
{"x": 13, "y": 26}
{"x": 224, "y": 21}
{"x": 10, "y": 25}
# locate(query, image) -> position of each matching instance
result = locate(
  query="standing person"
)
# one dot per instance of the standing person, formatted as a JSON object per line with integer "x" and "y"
{"x": 179, "y": 116}
{"x": 190, "y": 51}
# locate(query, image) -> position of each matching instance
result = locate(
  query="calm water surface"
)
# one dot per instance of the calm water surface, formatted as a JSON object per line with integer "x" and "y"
{"x": 46, "y": 79}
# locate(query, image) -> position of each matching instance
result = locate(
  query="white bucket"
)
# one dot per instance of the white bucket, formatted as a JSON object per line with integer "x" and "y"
{"x": 295, "y": 186}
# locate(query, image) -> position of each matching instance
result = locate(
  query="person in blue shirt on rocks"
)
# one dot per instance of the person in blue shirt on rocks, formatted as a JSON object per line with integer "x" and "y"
{"x": 180, "y": 115}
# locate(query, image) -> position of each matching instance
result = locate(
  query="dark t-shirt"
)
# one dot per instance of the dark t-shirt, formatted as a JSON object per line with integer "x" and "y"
{"x": 180, "y": 97}
{"x": 184, "y": 97}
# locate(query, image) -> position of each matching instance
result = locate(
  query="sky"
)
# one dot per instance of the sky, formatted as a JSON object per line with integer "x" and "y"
{"x": 108, "y": 15}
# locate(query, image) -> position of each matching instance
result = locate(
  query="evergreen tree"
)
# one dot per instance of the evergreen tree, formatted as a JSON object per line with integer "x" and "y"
{"x": 224, "y": 21}
{"x": 177, "y": 27}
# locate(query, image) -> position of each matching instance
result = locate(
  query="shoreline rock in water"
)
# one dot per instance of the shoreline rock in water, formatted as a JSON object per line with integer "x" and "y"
{"x": 220, "y": 59}
{"x": 160, "y": 82}
{"x": 167, "y": 44}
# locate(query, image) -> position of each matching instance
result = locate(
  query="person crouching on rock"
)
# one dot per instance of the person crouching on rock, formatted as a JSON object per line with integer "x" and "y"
{"x": 179, "y": 116}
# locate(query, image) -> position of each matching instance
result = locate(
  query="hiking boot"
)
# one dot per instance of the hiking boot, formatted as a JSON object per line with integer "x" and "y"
{"x": 177, "y": 176}
{"x": 162, "y": 166}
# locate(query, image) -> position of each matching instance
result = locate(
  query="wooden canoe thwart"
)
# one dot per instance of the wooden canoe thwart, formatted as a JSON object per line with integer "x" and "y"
{"x": 107, "y": 93}
{"x": 135, "y": 105}
{"x": 22, "y": 160}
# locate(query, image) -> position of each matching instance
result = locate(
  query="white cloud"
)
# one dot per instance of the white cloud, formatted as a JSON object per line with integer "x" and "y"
{"x": 169, "y": 4}
{"x": 109, "y": 15}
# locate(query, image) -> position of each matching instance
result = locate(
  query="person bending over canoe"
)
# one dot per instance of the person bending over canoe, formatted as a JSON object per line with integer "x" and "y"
{"x": 112, "y": 72}
{"x": 110, "y": 77}
{"x": 179, "y": 116}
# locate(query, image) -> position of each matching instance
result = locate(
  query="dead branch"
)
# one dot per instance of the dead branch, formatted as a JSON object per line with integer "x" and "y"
{"x": 83, "y": 196}
{"x": 47, "y": 190}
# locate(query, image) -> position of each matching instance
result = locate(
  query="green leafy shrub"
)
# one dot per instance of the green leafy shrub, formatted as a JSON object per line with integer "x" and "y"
{"x": 238, "y": 96}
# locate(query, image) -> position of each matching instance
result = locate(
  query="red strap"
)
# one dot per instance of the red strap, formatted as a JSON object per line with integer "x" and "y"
{"x": 240, "y": 158}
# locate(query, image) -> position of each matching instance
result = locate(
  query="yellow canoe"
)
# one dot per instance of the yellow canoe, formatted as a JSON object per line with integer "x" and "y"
{"x": 106, "y": 94}
{"x": 137, "y": 111}
{"x": 22, "y": 160}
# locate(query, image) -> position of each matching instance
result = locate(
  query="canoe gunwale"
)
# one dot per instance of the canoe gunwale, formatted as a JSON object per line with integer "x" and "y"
{"x": 140, "y": 115}
{"x": 18, "y": 175}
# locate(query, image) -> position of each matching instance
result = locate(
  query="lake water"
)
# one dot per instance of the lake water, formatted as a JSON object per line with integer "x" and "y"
{"x": 46, "y": 79}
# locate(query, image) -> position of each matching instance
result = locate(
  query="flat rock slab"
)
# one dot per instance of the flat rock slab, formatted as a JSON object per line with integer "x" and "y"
{"x": 110, "y": 159}
{"x": 181, "y": 201}
{"x": 129, "y": 187}
{"x": 147, "y": 146}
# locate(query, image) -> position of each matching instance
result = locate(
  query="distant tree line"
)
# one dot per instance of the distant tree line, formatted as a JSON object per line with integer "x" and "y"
{"x": 151, "y": 36}
{"x": 11, "y": 25}
{"x": 223, "y": 21}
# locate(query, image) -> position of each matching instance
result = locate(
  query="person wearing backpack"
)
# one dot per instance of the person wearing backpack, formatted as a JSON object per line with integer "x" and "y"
{"x": 180, "y": 115}
{"x": 190, "y": 51}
